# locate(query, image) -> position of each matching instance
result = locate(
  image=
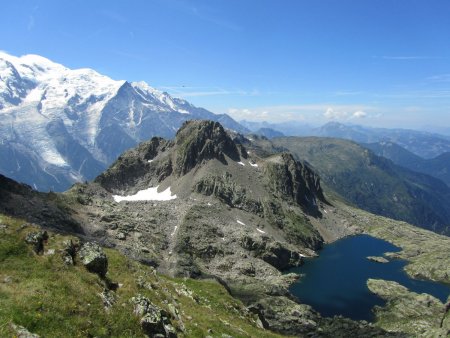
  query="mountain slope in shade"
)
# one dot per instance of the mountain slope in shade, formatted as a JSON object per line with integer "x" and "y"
{"x": 438, "y": 167}
{"x": 59, "y": 125}
{"x": 374, "y": 183}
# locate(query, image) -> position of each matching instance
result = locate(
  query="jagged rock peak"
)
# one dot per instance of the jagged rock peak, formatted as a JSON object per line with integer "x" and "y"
{"x": 199, "y": 140}
{"x": 133, "y": 166}
{"x": 293, "y": 179}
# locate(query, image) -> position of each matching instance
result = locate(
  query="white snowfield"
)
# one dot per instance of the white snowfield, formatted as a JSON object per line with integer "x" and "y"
{"x": 240, "y": 222}
{"x": 253, "y": 164}
{"x": 150, "y": 194}
{"x": 241, "y": 163}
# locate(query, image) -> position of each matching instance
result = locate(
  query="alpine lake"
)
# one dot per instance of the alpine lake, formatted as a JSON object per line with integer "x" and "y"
{"x": 335, "y": 282}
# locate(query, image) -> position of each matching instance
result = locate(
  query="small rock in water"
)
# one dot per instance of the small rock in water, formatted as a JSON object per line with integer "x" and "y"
{"x": 377, "y": 259}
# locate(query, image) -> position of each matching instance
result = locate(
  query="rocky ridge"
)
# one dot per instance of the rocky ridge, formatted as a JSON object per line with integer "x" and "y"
{"x": 238, "y": 217}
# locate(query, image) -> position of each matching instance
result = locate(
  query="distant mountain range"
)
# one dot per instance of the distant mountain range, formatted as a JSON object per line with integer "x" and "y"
{"x": 59, "y": 126}
{"x": 423, "y": 144}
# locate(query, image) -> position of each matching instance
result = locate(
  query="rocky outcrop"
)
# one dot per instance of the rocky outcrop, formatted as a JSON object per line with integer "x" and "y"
{"x": 289, "y": 178}
{"x": 341, "y": 327}
{"x": 198, "y": 141}
{"x": 93, "y": 258}
{"x": 154, "y": 321}
{"x": 284, "y": 315}
{"x": 420, "y": 315}
{"x": 37, "y": 240}
{"x": 108, "y": 298}
{"x": 21, "y": 332}
{"x": 272, "y": 252}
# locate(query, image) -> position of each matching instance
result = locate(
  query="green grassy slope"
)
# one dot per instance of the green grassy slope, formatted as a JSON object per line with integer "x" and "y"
{"x": 51, "y": 299}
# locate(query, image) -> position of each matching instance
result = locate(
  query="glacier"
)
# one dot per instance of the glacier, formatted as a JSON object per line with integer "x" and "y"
{"x": 59, "y": 126}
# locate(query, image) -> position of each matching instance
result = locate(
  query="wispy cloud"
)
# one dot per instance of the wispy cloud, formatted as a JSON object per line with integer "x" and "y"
{"x": 31, "y": 22}
{"x": 186, "y": 91}
{"x": 208, "y": 17}
{"x": 407, "y": 57}
{"x": 128, "y": 55}
{"x": 312, "y": 112}
{"x": 114, "y": 16}
{"x": 203, "y": 13}
{"x": 32, "y": 18}
{"x": 419, "y": 94}
{"x": 332, "y": 114}
{"x": 439, "y": 78}
{"x": 348, "y": 93}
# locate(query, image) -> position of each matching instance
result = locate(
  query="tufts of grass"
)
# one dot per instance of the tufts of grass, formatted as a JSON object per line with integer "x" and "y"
{"x": 53, "y": 300}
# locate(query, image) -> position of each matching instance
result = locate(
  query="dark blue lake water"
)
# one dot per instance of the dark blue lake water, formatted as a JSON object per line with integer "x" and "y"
{"x": 335, "y": 282}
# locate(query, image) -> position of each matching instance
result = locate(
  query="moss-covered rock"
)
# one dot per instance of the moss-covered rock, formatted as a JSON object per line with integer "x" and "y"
{"x": 93, "y": 258}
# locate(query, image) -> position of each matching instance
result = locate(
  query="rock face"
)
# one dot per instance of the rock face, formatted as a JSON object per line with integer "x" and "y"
{"x": 93, "y": 258}
{"x": 272, "y": 252}
{"x": 289, "y": 178}
{"x": 225, "y": 189}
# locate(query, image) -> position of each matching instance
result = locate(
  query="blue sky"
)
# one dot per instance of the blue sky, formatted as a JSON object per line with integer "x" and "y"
{"x": 372, "y": 62}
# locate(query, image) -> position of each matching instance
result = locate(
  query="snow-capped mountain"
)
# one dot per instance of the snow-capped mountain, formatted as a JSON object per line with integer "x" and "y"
{"x": 59, "y": 126}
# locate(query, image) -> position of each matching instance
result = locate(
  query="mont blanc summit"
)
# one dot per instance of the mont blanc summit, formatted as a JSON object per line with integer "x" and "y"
{"x": 61, "y": 125}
